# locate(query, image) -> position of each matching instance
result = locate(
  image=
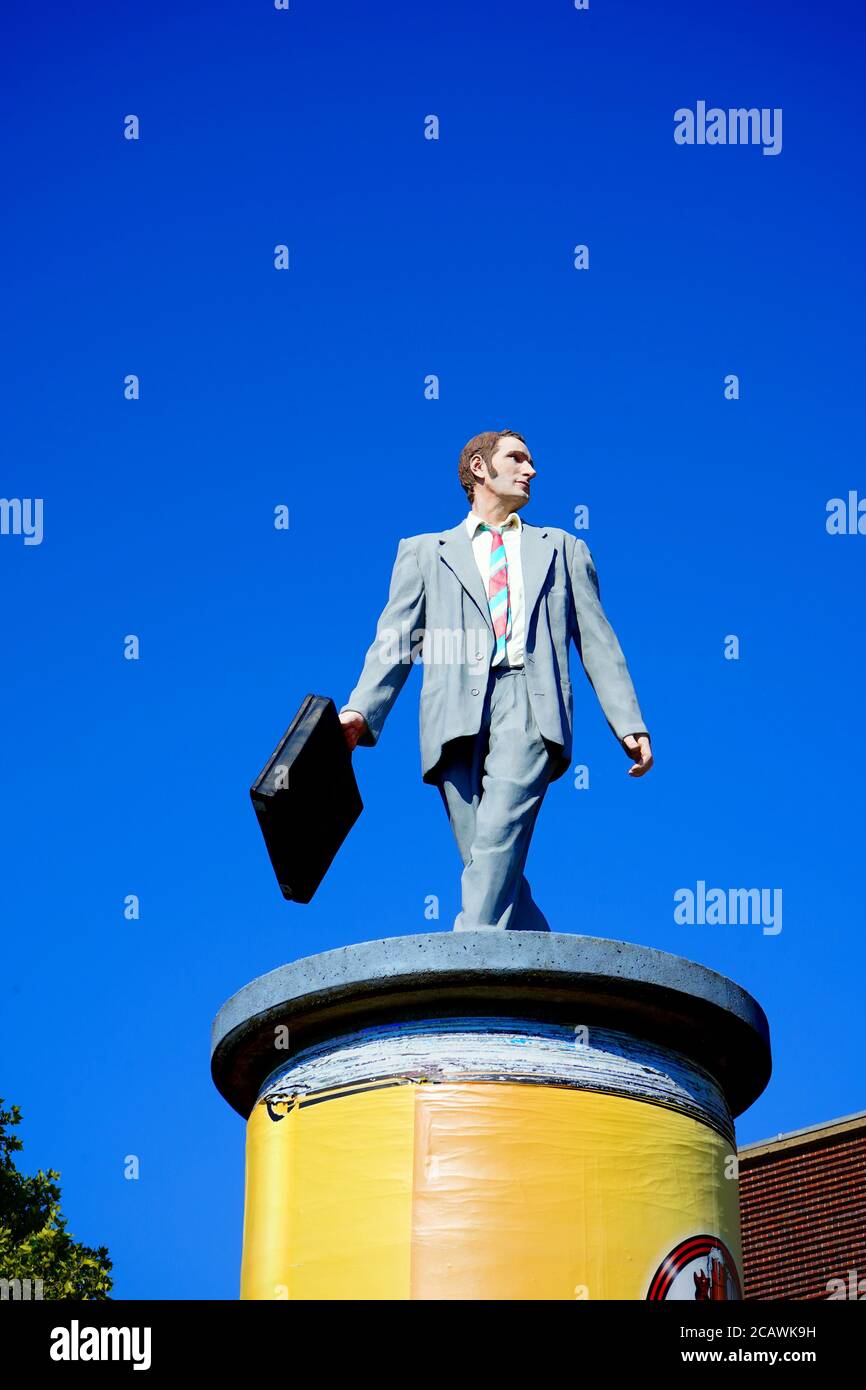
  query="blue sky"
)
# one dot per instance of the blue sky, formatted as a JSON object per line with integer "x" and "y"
{"x": 306, "y": 387}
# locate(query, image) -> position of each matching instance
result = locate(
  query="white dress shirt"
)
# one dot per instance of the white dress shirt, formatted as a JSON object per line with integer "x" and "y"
{"x": 482, "y": 544}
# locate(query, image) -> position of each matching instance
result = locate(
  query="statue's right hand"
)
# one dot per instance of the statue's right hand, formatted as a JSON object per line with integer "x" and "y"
{"x": 354, "y": 725}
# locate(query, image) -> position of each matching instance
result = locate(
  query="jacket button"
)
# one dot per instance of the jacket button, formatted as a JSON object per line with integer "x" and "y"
{"x": 475, "y": 692}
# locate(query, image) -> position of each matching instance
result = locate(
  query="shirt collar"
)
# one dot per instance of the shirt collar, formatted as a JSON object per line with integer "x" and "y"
{"x": 473, "y": 522}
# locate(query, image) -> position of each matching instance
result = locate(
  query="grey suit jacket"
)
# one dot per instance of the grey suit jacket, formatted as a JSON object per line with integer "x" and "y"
{"x": 437, "y": 613}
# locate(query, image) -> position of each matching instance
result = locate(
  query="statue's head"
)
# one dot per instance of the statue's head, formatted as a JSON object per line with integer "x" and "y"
{"x": 497, "y": 462}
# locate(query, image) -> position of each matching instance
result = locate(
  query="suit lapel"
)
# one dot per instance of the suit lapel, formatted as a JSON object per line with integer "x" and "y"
{"x": 536, "y": 554}
{"x": 455, "y": 549}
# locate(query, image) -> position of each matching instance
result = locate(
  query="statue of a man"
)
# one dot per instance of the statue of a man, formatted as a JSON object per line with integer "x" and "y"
{"x": 491, "y": 606}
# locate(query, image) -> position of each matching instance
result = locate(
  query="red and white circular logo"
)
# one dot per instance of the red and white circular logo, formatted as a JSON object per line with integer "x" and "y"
{"x": 700, "y": 1269}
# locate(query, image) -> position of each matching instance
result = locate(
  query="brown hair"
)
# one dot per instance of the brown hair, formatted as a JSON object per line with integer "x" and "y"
{"x": 485, "y": 445}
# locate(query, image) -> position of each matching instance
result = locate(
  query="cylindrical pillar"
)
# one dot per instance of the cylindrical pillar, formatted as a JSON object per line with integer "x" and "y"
{"x": 491, "y": 1115}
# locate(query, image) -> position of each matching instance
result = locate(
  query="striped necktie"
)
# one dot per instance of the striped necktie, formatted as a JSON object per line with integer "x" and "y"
{"x": 498, "y": 593}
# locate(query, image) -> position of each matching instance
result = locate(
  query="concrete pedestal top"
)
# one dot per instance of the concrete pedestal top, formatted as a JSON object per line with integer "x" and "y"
{"x": 550, "y": 976}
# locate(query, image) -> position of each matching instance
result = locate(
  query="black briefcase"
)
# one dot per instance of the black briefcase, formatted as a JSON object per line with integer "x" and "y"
{"x": 307, "y": 799}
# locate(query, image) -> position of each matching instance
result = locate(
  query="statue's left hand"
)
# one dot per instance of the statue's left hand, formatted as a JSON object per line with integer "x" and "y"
{"x": 638, "y": 747}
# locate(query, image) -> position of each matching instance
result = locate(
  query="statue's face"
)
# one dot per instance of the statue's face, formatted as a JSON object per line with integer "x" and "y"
{"x": 511, "y": 472}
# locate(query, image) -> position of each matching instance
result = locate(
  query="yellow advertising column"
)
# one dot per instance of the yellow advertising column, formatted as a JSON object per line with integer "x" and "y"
{"x": 526, "y": 1123}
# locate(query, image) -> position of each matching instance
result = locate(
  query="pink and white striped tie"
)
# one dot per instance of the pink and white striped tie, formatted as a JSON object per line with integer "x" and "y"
{"x": 498, "y": 593}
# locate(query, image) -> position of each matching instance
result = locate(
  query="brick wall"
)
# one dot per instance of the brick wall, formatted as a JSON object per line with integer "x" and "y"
{"x": 803, "y": 1211}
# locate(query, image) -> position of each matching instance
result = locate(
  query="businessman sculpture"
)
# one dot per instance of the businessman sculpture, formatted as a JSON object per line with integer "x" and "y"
{"x": 490, "y": 606}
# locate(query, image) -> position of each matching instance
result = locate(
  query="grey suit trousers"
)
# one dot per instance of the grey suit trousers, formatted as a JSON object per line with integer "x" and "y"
{"x": 492, "y": 786}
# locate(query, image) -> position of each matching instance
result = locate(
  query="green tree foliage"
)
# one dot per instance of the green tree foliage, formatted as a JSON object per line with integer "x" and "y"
{"x": 34, "y": 1241}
